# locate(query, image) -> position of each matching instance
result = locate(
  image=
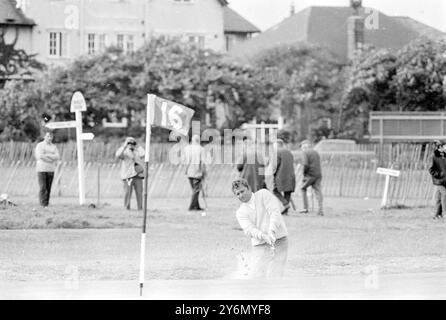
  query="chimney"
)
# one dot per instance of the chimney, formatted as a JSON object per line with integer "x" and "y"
{"x": 355, "y": 29}
{"x": 292, "y": 8}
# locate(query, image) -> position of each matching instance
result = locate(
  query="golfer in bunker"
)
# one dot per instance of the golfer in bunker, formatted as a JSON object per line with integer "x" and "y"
{"x": 260, "y": 218}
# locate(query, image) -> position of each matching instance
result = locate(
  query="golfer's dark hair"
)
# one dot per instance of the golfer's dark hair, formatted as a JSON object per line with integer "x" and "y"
{"x": 47, "y": 130}
{"x": 236, "y": 184}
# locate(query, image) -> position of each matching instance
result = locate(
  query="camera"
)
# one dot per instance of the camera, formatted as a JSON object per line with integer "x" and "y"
{"x": 132, "y": 143}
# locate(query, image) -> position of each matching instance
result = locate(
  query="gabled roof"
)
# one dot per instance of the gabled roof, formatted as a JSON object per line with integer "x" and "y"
{"x": 234, "y": 22}
{"x": 422, "y": 28}
{"x": 11, "y": 15}
{"x": 327, "y": 26}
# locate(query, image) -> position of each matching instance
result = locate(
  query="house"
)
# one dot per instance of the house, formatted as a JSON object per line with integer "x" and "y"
{"x": 69, "y": 28}
{"x": 329, "y": 27}
{"x": 15, "y": 35}
{"x": 237, "y": 29}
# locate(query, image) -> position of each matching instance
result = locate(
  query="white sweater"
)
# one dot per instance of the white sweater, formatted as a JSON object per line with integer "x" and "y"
{"x": 47, "y": 156}
{"x": 265, "y": 218}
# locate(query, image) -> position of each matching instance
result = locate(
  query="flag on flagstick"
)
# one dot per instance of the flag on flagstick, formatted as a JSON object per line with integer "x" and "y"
{"x": 169, "y": 115}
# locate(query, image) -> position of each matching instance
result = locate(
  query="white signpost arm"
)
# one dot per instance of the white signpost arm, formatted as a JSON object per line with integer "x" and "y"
{"x": 80, "y": 157}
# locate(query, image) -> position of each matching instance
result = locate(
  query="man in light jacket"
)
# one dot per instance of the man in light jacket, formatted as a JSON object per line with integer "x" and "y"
{"x": 47, "y": 156}
{"x": 260, "y": 218}
{"x": 194, "y": 159}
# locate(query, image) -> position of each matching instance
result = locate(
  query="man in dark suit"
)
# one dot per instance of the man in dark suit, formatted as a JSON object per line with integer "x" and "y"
{"x": 312, "y": 176}
{"x": 284, "y": 175}
{"x": 251, "y": 166}
{"x": 438, "y": 173}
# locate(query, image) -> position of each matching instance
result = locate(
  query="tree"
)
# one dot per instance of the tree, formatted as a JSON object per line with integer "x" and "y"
{"x": 412, "y": 79}
{"x": 420, "y": 75}
{"x": 369, "y": 87}
{"x": 308, "y": 81}
{"x": 20, "y": 109}
{"x": 118, "y": 83}
{"x": 14, "y": 61}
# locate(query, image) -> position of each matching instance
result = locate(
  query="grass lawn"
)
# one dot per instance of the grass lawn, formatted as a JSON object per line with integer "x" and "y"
{"x": 103, "y": 243}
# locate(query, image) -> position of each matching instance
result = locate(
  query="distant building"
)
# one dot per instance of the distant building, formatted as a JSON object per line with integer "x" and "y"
{"x": 67, "y": 29}
{"x": 237, "y": 29}
{"x": 16, "y": 32}
{"x": 407, "y": 126}
{"x": 329, "y": 27}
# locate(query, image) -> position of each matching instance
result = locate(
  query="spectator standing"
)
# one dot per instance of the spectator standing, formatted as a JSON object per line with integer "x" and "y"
{"x": 194, "y": 159}
{"x": 251, "y": 167}
{"x": 132, "y": 170}
{"x": 438, "y": 173}
{"x": 312, "y": 176}
{"x": 284, "y": 175}
{"x": 47, "y": 155}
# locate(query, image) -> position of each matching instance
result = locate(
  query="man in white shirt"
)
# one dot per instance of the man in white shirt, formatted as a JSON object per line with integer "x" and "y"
{"x": 194, "y": 159}
{"x": 260, "y": 218}
{"x": 47, "y": 156}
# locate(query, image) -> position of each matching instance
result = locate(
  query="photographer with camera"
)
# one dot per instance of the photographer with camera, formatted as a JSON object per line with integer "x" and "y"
{"x": 132, "y": 170}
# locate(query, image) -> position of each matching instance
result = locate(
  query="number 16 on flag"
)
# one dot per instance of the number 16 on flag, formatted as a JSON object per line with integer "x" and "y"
{"x": 166, "y": 114}
{"x": 169, "y": 115}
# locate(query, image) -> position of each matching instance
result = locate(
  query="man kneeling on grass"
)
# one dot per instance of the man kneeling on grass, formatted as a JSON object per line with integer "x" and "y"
{"x": 260, "y": 218}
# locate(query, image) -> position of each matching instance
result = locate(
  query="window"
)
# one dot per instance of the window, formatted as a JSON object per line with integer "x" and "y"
{"x": 96, "y": 43}
{"x": 126, "y": 42}
{"x": 57, "y": 44}
{"x": 91, "y": 43}
{"x": 102, "y": 42}
{"x": 230, "y": 42}
{"x": 201, "y": 42}
{"x": 120, "y": 41}
{"x": 325, "y": 122}
{"x": 130, "y": 43}
{"x": 198, "y": 40}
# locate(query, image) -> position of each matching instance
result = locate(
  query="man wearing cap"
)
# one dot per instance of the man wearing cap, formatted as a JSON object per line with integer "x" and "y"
{"x": 312, "y": 176}
{"x": 438, "y": 173}
{"x": 284, "y": 175}
{"x": 132, "y": 170}
{"x": 260, "y": 218}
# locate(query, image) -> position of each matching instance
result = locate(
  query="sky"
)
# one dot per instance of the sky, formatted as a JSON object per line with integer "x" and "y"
{"x": 267, "y": 13}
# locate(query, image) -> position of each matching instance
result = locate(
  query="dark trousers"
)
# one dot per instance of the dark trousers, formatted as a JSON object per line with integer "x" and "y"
{"x": 129, "y": 185}
{"x": 45, "y": 180}
{"x": 440, "y": 200}
{"x": 285, "y": 198}
{"x": 316, "y": 185}
{"x": 195, "y": 184}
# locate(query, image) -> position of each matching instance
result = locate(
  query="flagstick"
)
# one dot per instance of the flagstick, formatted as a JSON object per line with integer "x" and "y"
{"x": 146, "y": 177}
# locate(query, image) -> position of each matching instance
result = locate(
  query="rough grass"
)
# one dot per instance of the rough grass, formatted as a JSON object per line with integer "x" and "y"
{"x": 353, "y": 236}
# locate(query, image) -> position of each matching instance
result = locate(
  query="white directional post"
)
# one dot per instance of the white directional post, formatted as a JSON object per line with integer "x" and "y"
{"x": 388, "y": 173}
{"x": 77, "y": 106}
